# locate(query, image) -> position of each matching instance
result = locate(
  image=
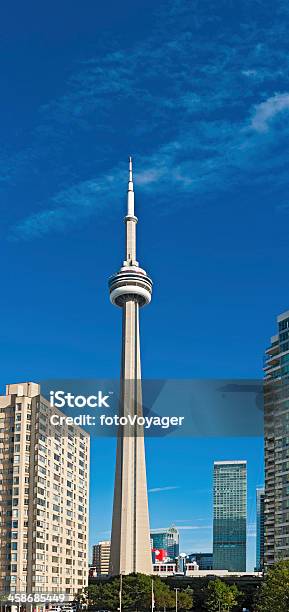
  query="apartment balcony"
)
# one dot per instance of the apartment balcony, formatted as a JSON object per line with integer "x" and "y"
{"x": 273, "y": 349}
{"x": 270, "y": 534}
{"x": 272, "y": 363}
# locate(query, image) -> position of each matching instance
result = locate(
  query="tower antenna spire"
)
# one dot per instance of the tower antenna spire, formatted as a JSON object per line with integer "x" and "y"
{"x": 130, "y": 289}
{"x": 130, "y": 169}
{"x": 130, "y": 191}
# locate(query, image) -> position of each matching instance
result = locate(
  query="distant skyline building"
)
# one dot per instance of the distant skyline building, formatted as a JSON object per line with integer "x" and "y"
{"x": 276, "y": 409}
{"x": 230, "y": 515}
{"x": 167, "y": 539}
{"x": 182, "y": 562}
{"x": 260, "y": 501}
{"x": 130, "y": 289}
{"x": 100, "y": 557}
{"x": 44, "y": 490}
{"x": 203, "y": 559}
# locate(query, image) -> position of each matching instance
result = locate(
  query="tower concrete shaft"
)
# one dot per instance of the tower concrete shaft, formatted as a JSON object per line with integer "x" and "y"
{"x": 130, "y": 289}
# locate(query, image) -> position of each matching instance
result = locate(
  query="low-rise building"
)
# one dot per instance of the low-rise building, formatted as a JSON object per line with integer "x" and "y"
{"x": 100, "y": 557}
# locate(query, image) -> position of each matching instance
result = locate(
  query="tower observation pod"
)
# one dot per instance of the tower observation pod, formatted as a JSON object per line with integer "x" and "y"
{"x": 131, "y": 282}
{"x": 130, "y": 288}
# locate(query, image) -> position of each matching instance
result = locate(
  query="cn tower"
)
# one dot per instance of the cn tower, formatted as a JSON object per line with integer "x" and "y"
{"x": 130, "y": 289}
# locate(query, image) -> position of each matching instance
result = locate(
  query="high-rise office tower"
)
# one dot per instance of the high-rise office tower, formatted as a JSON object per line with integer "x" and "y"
{"x": 43, "y": 497}
{"x": 260, "y": 499}
{"x": 130, "y": 289}
{"x": 167, "y": 539}
{"x": 276, "y": 409}
{"x": 100, "y": 557}
{"x": 230, "y": 515}
{"x": 203, "y": 560}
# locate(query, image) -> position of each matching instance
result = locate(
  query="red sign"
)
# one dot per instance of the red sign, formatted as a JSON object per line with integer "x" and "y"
{"x": 159, "y": 554}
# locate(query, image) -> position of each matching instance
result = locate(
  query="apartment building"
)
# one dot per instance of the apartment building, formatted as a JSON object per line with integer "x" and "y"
{"x": 44, "y": 489}
{"x": 276, "y": 407}
{"x": 100, "y": 557}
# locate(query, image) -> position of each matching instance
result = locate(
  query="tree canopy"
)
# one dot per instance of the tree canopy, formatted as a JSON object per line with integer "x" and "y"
{"x": 274, "y": 592}
{"x": 136, "y": 594}
{"x": 221, "y": 597}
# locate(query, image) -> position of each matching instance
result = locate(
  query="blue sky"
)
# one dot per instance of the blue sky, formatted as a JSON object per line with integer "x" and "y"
{"x": 198, "y": 93}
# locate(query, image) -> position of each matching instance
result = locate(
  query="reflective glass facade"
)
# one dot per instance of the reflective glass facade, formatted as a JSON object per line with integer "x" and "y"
{"x": 230, "y": 515}
{"x": 204, "y": 560}
{"x": 167, "y": 539}
{"x": 260, "y": 498}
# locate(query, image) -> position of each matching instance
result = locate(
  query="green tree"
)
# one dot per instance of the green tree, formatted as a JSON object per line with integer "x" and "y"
{"x": 274, "y": 592}
{"x": 136, "y": 591}
{"x": 185, "y": 599}
{"x": 104, "y": 595}
{"x": 164, "y": 596}
{"x": 221, "y": 597}
{"x": 136, "y": 594}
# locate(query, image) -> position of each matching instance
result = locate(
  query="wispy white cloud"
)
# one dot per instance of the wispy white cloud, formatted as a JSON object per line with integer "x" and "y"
{"x": 249, "y": 73}
{"x": 186, "y": 527}
{"x": 198, "y": 108}
{"x": 266, "y": 111}
{"x": 149, "y": 176}
{"x": 71, "y": 206}
{"x": 194, "y": 527}
{"x": 161, "y": 489}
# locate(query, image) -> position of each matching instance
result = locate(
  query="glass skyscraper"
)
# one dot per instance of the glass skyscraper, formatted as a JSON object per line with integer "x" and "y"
{"x": 167, "y": 539}
{"x": 260, "y": 499}
{"x": 203, "y": 560}
{"x": 276, "y": 407}
{"x": 230, "y": 515}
